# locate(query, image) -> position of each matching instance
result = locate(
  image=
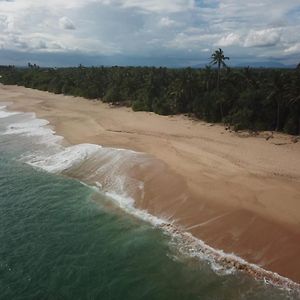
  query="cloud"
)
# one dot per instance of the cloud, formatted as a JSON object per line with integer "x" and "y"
{"x": 229, "y": 40}
{"x": 66, "y": 23}
{"x": 166, "y": 6}
{"x": 166, "y": 22}
{"x": 152, "y": 30}
{"x": 262, "y": 38}
{"x": 295, "y": 49}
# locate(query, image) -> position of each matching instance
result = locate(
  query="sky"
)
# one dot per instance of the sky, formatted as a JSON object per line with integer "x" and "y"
{"x": 175, "y": 33}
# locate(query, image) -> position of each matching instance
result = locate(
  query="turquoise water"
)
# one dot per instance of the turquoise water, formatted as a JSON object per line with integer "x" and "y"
{"x": 60, "y": 239}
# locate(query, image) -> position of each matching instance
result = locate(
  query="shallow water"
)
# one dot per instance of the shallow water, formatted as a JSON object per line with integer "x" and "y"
{"x": 60, "y": 239}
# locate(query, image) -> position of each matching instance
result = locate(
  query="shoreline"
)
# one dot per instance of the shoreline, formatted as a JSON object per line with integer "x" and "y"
{"x": 222, "y": 263}
{"x": 207, "y": 207}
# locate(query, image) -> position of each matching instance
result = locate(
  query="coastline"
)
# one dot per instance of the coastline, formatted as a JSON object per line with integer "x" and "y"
{"x": 233, "y": 187}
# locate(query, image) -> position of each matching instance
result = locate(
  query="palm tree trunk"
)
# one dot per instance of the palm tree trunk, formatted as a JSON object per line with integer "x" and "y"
{"x": 218, "y": 81}
{"x": 278, "y": 116}
{"x": 218, "y": 89}
{"x": 221, "y": 110}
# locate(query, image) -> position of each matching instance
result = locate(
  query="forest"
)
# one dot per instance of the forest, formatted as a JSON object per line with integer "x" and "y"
{"x": 244, "y": 98}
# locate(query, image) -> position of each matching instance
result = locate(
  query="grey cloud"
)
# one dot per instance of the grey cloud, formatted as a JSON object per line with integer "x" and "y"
{"x": 229, "y": 40}
{"x": 42, "y": 45}
{"x": 295, "y": 49}
{"x": 263, "y": 38}
{"x": 66, "y": 23}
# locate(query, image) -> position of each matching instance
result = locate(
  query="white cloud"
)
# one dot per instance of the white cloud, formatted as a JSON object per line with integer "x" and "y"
{"x": 295, "y": 49}
{"x": 229, "y": 40}
{"x": 166, "y": 22}
{"x": 169, "y": 6}
{"x": 6, "y": 23}
{"x": 66, "y": 23}
{"x": 185, "y": 40}
{"x": 262, "y": 38}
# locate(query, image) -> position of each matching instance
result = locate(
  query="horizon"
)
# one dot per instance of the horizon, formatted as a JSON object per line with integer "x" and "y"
{"x": 255, "y": 65}
{"x": 180, "y": 33}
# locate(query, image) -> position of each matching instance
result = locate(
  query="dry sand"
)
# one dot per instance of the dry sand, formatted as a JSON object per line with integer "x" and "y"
{"x": 236, "y": 192}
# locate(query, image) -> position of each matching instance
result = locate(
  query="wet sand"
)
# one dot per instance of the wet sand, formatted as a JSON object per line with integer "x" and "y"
{"x": 236, "y": 192}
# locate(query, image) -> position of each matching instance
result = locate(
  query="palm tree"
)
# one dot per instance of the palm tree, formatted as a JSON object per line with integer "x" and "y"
{"x": 277, "y": 95}
{"x": 218, "y": 58}
{"x": 207, "y": 78}
{"x": 295, "y": 102}
{"x": 293, "y": 95}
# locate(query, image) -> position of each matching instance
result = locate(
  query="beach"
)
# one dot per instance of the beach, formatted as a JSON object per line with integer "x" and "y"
{"x": 236, "y": 192}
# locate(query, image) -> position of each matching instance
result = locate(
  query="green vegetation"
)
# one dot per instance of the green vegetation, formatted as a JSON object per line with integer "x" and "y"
{"x": 254, "y": 99}
{"x": 218, "y": 58}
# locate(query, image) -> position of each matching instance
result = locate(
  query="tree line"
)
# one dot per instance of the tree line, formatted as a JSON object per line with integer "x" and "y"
{"x": 245, "y": 98}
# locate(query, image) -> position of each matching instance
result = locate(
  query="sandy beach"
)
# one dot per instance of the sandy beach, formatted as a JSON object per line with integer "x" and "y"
{"x": 236, "y": 192}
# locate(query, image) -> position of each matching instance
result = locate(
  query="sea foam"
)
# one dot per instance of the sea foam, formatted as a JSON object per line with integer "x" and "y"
{"x": 64, "y": 159}
{"x": 127, "y": 204}
{"x": 5, "y": 114}
{"x": 29, "y": 125}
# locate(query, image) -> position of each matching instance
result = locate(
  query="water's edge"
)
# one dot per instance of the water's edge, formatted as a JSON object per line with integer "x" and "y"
{"x": 62, "y": 159}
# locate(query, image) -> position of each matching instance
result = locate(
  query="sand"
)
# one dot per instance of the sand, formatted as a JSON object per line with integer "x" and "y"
{"x": 237, "y": 192}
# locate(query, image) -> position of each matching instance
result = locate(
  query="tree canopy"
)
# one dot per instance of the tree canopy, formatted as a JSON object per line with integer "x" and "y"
{"x": 255, "y": 99}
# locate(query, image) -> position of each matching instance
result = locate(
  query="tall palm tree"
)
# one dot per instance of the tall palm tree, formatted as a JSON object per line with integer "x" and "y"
{"x": 207, "y": 78}
{"x": 218, "y": 58}
{"x": 277, "y": 95}
{"x": 293, "y": 95}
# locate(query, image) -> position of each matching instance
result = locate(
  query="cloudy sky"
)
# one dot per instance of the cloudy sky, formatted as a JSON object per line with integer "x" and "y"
{"x": 148, "y": 32}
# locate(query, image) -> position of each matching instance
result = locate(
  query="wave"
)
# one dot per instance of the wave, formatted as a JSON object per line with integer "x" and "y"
{"x": 64, "y": 159}
{"x": 35, "y": 128}
{"x": 128, "y": 179}
{"x": 5, "y": 114}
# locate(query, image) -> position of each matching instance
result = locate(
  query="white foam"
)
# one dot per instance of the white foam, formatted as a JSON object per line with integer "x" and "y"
{"x": 32, "y": 126}
{"x": 5, "y": 114}
{"x": 64, "y": 159}
{"x": 99, "y": 185}
{"x": 127, "y": 204}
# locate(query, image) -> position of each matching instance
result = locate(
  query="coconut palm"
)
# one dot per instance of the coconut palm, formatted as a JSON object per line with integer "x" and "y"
{"x": 277, "y": 95}
{"x": 218, "y": 58}
{"x": 293, "y": 96}
{"x": 208, "y": 75}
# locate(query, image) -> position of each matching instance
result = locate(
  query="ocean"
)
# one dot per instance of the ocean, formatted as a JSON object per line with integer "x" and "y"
{"x": 69, "y": 228}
